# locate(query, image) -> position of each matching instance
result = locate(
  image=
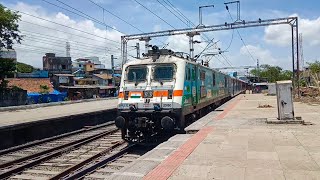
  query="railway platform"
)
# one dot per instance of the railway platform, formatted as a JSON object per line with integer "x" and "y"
{"x": 21, "y": 125}
{"x": 235, "y": 142}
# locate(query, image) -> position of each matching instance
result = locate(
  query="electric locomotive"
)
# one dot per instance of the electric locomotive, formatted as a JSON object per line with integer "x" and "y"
{"x": 165, "y": 91}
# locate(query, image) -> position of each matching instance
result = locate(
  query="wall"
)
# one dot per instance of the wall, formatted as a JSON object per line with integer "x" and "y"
{"x": 12, "y": 97}
{"x": 34, "y": 74}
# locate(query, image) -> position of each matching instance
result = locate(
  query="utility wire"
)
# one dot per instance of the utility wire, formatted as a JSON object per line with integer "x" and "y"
{"x": 64, "y": 31}
{"x": 177, "y": 10}
{"x": 64, "y": 25}
{"x": 48, "y": 42}
{"x": 241, "y": 37}
{"x": 230, "y": 41}
{"x": 82, "y": 14}
{"x": 115, "y": 15}
{"x": 183, "y": 16}
{"x": 172, "y": 13}
{"x": 225, "y": 58}
{"x": 154, "y": 14}
{"x": 220, "y": 60}
{"x": 52, "y": 38}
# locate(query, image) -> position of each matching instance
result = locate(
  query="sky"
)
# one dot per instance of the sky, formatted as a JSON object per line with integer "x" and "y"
{"x": 86, "y": 31}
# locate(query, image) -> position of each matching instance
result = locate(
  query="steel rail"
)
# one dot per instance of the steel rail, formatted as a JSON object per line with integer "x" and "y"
{"x": 81, "y": 173}
{"x": 50, "y": 153}
{"x": 86, "y": 161}
{"x": 20, "y": 147}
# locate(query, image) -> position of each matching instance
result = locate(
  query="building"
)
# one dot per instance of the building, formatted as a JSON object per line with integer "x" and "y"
{"x": 85, "y": 81}
{"x": 103, "y": 79}
{"x": 97, "y": 63}
{"x": 62, "y": 80}
{"x": 57, "y": 65}
{"x": 89, "y": 67}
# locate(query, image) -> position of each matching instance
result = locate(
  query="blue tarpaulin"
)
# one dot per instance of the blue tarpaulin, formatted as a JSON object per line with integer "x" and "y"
{"x": 54, "y": 96}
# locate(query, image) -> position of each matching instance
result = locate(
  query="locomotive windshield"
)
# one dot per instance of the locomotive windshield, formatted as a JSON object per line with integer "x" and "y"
{"x": 163, "y": 72}
{"x": 136, "y": 74}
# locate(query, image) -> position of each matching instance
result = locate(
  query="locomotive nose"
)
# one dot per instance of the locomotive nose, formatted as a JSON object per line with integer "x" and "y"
{"x": 120, "y": 122}
{"x": 167, "y": 123}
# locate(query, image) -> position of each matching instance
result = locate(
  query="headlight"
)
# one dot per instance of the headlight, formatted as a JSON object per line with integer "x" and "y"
{"x": 148, "y": 94}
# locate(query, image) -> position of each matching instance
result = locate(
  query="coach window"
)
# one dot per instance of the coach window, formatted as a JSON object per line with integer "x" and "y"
{"x": 225, "y": 82}
{"x": 213, "y": 79}
{"x": 194, "y": 73}
{"x": 188, "y": 74}
{"x": 202, "y": 75}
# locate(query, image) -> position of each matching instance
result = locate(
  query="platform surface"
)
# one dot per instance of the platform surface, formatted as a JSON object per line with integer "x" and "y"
{"x": 236, "y": 143}
{"x": 8, "y": 118}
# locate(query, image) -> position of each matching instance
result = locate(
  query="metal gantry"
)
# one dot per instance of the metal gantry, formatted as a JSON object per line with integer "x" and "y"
{"x": 292, "y": 21}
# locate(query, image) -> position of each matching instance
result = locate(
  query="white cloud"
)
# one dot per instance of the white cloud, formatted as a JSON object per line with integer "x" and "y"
{"x": 39, "y": 40}
{"x": 259, "y": 53}
{"x": 280, "y": 35}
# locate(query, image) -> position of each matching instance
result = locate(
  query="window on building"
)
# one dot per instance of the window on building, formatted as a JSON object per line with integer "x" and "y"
{"x": 90, "y": 66}
{"x": 64, "y": 67}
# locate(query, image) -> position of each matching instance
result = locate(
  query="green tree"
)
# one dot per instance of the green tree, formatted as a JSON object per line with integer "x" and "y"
{"x": 24, "y": 68}
{"x": 44, "y": 89}
{"x": 8, "y": 28}
{"x": 272, "y": 73}
{"x": 7, "y": 67}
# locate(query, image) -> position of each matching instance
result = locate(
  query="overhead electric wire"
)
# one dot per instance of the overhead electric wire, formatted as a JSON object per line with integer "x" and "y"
{"x": 65, "y": 26}
{"x": 59, "y": 45}
{"x": 172, "y": 13}
{"x": 40, "y": 36}
{"x": 83, "y": 14}
{"x": 154, "y": 14}
{"x": 115, "y": 15}
{"x": 54, "y": 50}
{"x": 220, "y": 60}
{"x": 230, "y": 41}
{"x": 104, "y": 10}
{"x": 182, "y": 15}
{"x": 177, "y": 10}
{"x": 245, "y": 45}
{"x": 226, "y": 59}
{"x": 63, "y": 31}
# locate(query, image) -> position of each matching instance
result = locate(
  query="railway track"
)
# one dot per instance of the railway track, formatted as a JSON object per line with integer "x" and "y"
{"x": 53, "y": 157}
{"x": 106, "y": 167}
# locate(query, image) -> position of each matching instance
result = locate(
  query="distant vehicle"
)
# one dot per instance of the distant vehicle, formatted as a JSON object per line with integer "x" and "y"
{"x": 165, "y": 92}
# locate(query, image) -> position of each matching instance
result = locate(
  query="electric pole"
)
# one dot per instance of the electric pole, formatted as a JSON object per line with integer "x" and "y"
{"x": 112, "y": 67}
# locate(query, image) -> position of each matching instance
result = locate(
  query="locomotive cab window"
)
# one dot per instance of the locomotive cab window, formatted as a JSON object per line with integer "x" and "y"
{"x": 136, "y": 74}
{"x": 163, "y": 72}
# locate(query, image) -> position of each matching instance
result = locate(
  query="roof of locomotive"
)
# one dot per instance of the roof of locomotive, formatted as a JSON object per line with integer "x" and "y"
{"x": 167, "y": 56}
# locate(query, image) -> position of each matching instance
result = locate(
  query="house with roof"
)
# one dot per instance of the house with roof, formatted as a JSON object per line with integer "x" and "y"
{"x": 103, "y": 79}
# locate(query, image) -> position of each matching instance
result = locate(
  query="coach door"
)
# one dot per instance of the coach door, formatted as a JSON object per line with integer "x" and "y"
{"x": 194, "y": 85}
